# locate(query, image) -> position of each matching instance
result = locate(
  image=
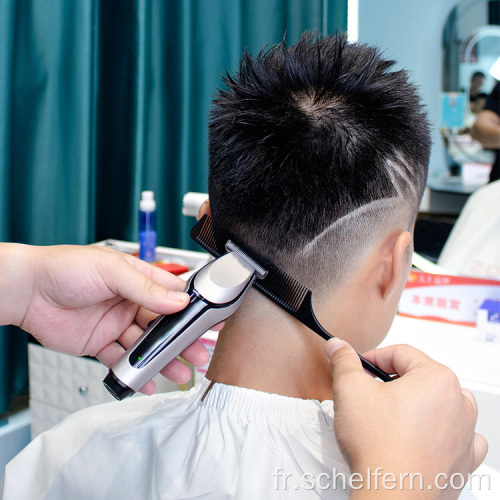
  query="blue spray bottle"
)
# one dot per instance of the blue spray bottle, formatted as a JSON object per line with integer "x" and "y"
{"x": 147, "y": 227}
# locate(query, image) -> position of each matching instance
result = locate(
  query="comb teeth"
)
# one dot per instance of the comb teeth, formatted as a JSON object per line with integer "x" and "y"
{"x": 209, "y": 237}
{"x": 282, "y": 289}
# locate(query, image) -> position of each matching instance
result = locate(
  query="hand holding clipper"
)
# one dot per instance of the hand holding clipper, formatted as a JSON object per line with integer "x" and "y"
{"x": 216, "y": 291}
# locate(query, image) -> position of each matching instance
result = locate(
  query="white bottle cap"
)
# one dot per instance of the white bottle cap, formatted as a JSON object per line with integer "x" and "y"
{"x": 147, "y": 203}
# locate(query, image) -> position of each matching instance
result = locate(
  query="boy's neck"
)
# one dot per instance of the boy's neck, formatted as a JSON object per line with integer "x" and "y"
{"x": 273, "y": 354}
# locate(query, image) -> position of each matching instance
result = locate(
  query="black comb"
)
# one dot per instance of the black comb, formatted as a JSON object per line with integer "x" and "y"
{"x": 288, "y": 293}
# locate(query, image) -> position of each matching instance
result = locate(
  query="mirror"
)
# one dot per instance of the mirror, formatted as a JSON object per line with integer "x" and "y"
{"x": 471, "y": 66}
{"x": 470, "y": 51}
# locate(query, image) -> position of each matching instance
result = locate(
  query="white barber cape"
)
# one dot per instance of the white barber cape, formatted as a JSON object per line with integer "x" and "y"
{"x": 473, "y": 247}
{"x": 235, "y": 443}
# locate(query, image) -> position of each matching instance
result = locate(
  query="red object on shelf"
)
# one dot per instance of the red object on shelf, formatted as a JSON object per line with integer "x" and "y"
{"x": 171, "y": 267}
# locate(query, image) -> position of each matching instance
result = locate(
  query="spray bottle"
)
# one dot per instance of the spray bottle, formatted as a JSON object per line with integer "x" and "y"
{"x": 147, "y": 227}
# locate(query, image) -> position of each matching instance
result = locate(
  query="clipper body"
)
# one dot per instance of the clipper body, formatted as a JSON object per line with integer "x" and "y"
{"x": 216, "y": 291}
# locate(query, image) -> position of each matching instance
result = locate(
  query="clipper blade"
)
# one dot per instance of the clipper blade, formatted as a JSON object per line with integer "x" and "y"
{"x": 260, "y": 272}
{"x": 287, "y": 292}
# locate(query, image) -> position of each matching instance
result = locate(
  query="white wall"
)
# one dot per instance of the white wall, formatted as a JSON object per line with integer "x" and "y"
{"x": 410, "y": 31}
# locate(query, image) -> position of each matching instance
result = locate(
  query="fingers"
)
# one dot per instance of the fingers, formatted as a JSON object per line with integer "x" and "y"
{"x": 218, "y": 327}
{"x": 480, "y": 443}
{"x": 399, "y": 359}
{"x": 144, "y": 317}
{"x": 149, "y": 388}
{"x": 480, "y": 450}
{"x": 196, "y": 354}
{"x": 342, "y": 358}
{"x": 177, "y": 372}
{"x": 139, "y": 282}
{"x": 204, "y": 209}
{"x": 109, "y": 354}
{"x": 157, "y": 274}
{"x": 470, "y": 397}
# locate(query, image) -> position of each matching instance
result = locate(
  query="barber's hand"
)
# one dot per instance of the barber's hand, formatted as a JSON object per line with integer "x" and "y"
{"x": 422, "y": 422}
{"x": 80, "y": 300}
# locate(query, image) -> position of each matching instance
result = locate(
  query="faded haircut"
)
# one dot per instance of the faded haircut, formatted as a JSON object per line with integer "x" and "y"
{"x": 315, "y": 149}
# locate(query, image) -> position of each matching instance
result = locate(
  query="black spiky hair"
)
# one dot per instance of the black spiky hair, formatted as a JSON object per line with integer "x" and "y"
{"x": 304, "y": 134}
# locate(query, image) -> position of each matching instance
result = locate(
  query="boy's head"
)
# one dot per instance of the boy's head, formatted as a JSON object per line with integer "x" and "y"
{"x": 317, "y": 151}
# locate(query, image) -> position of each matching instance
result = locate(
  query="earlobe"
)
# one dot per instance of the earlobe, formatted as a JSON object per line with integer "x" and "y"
{"x": 395, "y": 264}
{"x": 204, "y": 209}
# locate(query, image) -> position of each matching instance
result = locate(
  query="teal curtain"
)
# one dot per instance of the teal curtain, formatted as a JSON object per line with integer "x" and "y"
{"x": 100, "y": 100}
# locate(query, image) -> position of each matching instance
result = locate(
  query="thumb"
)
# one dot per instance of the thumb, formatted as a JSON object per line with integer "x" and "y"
{"x": 132, "y": 284}
{"x": 151, "y": 295}
{"x": 342, "y": 359}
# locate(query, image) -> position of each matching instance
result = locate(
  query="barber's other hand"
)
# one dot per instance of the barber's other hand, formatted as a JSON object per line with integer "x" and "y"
{"x": 422, "y": 422}
{"x": 80, "y": 300}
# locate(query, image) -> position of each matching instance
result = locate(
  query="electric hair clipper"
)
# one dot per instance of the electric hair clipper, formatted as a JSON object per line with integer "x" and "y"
{"x": 216, "y": 291}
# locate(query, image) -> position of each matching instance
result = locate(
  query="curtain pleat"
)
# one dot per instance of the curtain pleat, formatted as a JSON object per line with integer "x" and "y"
{"x": 100, "y": 100}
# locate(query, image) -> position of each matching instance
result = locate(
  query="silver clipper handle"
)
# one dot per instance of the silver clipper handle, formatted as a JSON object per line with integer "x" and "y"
{"x": 216, "y": 292}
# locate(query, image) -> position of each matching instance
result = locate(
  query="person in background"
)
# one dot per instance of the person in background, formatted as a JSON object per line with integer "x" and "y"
{"x": 486, "y": 129}
{"x": 473, "y": 246}
{"x": 477, "y": 99}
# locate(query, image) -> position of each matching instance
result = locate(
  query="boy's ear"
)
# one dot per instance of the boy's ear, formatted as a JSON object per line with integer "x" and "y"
{"x": 394, "y": 263}
{"x": 204, "y": 209}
